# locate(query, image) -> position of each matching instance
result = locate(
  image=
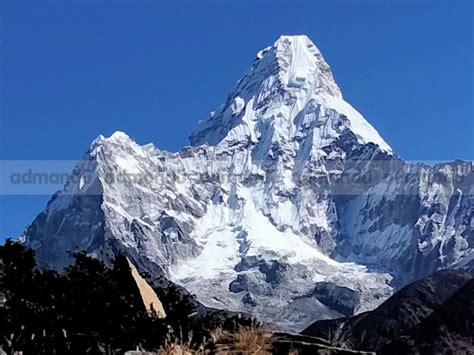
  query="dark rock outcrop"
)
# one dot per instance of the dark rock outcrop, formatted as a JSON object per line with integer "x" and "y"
{"x": 249, "y": 300}
{"x": 240, "y": 284}
{"x": 342, "y": 299}
{"x": 406, "y": 309}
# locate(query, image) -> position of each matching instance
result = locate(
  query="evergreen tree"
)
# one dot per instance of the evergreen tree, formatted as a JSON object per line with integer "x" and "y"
{"x": 92, "y": 309}
{"x": 17, "y": 285}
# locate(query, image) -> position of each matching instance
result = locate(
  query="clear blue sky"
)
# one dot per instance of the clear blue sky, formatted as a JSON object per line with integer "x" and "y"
{"x": 71, "y": 70}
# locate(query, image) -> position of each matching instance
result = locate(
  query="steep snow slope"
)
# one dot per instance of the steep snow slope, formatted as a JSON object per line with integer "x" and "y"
{"x": 284, "y": 186}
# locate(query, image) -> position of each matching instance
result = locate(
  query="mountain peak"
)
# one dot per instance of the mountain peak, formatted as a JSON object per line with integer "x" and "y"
{"x": 265, "y": 218}
{"x": 300, "y": 65}
{"x": 293, "y": 41}
{"x": 289, "y": 88}
{"x": 295, "y": 38}
{"x": 118, "y": 137}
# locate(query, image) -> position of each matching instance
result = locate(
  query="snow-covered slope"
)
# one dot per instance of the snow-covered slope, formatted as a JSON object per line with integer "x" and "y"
{"x": 284, "y": 186}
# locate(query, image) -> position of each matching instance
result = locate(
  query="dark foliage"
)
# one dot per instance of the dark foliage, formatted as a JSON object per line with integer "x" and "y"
{"x": 92, "y": 309}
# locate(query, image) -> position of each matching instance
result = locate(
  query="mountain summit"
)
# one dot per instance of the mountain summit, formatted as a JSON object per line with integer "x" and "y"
{"x": 287, "y": 205}
{"x": 301, "y": 64}
{"x": 288, "y": 85}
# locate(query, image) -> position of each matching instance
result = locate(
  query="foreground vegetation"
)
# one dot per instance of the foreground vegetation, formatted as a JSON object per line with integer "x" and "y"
{"x": 90, "y": 308}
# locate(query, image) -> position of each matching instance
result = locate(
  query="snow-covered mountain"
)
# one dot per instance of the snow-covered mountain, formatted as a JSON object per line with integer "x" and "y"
{"x": 288, "y": 204}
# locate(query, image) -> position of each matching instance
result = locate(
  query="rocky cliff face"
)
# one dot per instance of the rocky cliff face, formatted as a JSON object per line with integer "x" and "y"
{"x": 284, "y": 186}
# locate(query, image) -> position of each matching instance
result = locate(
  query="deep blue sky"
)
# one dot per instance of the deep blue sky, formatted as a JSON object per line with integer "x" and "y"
{"x": 71, "y": 70}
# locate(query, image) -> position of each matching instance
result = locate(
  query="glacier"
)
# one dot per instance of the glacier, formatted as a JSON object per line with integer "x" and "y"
{"x": 283, "y": 187}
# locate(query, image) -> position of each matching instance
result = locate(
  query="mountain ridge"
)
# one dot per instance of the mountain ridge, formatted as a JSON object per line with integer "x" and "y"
{"x": 406, "y": 309}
